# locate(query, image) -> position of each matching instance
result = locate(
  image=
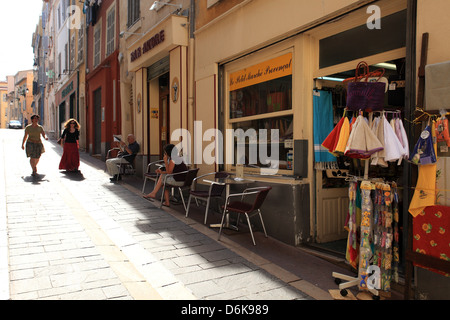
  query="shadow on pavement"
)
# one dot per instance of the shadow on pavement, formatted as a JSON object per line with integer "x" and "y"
{"x": 37, "y": 179}
{"x": 73, "y": 175}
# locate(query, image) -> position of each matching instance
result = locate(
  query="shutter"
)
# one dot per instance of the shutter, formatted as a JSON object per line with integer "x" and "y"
{"x": 159, "y": 68}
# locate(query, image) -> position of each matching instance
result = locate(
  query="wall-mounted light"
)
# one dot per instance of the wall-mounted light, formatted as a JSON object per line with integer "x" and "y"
{"x": 122, "y": 33}
{"x": 156, "y": 4}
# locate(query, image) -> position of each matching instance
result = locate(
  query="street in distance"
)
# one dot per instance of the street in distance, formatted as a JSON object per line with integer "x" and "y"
{"x": 239, "y": 309}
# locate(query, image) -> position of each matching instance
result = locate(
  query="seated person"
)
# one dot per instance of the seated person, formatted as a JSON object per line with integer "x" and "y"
{"x": 170, "y": 159}
{"x": 127, "y": 156}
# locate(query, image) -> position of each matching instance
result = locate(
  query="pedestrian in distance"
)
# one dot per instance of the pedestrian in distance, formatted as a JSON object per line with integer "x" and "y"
{"x": 172, "y": 164}
{"x": 126, "y": 155}
{"x": 70, "y": 137}
{"x": 34, "y": 147}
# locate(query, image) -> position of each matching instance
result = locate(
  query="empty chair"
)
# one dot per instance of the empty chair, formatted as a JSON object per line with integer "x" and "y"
{"x": 215, "y": 190}
{"x": 250, "y": 209}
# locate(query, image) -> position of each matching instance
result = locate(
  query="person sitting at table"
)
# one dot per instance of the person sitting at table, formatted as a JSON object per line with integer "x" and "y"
{"x": 127, "y": 156}
{"x": 172, "y": 164}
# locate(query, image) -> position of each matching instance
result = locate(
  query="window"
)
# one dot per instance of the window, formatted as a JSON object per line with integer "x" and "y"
{"x": 97, "y": 46}
{"x": 134, "y": 12}
{"x": 66, "y": 57}
{"x": 110, "y": 30}
{"x": 59, "y": 65}
{"x": 80, "y": 45}
{"x": 72, "y": 52}
{"x": 360, "y": 41}
{"x": 260, "y": 101}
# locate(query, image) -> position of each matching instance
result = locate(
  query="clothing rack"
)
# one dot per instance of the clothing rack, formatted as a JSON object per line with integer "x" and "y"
{"x": 354, "y": 281}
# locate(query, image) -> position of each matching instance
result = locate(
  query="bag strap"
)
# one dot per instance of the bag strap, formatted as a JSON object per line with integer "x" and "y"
{"x": 365, "y": 67}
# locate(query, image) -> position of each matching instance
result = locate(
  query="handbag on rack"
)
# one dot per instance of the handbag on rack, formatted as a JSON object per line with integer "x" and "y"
{"x": 363, "y": 94}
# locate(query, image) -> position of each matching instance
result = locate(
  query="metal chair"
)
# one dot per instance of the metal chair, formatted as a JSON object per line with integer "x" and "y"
{"x": 190, "y": 175}
{"x": 247, "y": 208}
{"x": 215, "y": 191}
{"x": 125, "y": 167}
{"x": 150, "y": 173}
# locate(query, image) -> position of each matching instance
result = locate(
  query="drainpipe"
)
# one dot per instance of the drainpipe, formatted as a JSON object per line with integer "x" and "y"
{"x": 191, "y": 50}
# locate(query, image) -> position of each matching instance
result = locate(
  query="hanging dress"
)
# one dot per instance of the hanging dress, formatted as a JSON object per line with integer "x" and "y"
{"x": 378, "y": 157}
{"x": 362, "y": 142}
{"x": 343, "y": 138}
{"x": 393, "y": 148}
{"x": 332, "y": 139}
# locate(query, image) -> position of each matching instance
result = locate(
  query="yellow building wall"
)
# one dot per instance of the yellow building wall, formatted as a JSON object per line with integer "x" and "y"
{"x": 139, "y": 110}
{"x": 432, "y": 17}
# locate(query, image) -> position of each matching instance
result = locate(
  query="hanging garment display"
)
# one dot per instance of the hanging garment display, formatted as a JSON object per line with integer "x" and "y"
{"x": 401, "y": 134}
{"x": 378, "y": 157}
{"x": 332, "y": 139}
{"x": 323, "y": 125}
{"x": 365, "y": 249}
{"x": 343, "y": 138}
{"x": 395, "y": 230}
{"x": 442, "y": 133}
{"x": 425, "y": 191}
{"x": 393, "y": 148}
{"x": 424, "y": 152}
{"x": 383, "y": 234}
{"x": 353, "y": 224}
{"x": 362, "y": 142}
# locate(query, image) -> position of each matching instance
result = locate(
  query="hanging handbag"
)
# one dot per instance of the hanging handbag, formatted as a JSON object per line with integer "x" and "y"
{"x": 363, "y": 94}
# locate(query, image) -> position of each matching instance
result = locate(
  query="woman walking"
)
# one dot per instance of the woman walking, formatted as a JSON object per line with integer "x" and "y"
{"x": 70, "y": 159}
{"x": 34, "y": 147}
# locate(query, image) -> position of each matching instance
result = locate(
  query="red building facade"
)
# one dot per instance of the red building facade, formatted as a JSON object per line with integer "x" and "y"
{"x": 103, "y": 114}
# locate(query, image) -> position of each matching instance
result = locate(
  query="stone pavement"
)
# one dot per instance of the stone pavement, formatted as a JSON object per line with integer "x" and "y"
{"x": 78, "y": 236}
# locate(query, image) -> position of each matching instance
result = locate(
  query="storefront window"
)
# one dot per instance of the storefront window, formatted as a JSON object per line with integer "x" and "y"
{"x": 281, "y": 145}
{"x": 260, "y": 102}
{"x": 266, "y": 97}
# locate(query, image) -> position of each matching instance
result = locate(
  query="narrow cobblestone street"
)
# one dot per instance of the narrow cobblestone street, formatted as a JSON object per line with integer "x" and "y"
{"x": 78, "y": 236}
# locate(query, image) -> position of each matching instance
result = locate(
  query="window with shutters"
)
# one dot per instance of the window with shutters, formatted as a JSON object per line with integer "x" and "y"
{"x": 110, "y": 30}
{"x": 72, "y": 53}
{"x": 80, "y": 57}
{"x": 134, "y": 12}
{"x": 97, "y": 46}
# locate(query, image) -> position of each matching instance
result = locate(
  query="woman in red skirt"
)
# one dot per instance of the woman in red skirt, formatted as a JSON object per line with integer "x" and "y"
{"x": 70, "y": 160}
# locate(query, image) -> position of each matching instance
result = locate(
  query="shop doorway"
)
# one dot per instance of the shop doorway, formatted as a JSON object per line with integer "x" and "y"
{"x": 164, "y": 114}
{"x": 62, "y": 117}
{"x": 72, "y": 107}
{"x": 332, "y": 183}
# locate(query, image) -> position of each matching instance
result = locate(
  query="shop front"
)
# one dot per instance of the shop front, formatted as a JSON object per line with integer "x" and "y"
{"x": 159, "y": 61}
{"x": 66, "y": 100}
{"x": 266, "y": 91}
{"x": 103, "y": 112}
